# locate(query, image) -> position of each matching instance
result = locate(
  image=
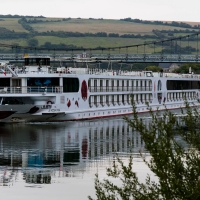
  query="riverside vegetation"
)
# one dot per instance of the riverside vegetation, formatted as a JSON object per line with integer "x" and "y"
{"x": 176, "y": 166}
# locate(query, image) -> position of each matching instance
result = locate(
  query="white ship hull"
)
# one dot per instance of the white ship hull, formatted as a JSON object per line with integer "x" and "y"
{"x": 85, "y": 115}
{"x": 55, "y": 95}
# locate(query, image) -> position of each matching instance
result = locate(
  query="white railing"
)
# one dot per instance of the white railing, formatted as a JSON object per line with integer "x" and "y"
{"x": 96, "y": 71}
{"x": 30, "y": 90}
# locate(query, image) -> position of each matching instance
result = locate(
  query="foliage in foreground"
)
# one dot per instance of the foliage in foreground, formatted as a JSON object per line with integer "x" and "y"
{"x": 176, "y": 166}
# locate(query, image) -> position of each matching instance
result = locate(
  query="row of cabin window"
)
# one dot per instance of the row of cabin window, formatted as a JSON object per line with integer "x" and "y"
{"x": 120, "y": 98}
{"x": 117, "y": 82}
{"x": 174, "y": 95}
{"x": 119, "y": 88}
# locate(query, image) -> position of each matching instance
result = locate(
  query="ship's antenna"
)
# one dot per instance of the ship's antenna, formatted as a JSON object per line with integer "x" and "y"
{"x": 74, "y": 64}
{"x": 99, "y": 65}
{"x": 108, "y": 64}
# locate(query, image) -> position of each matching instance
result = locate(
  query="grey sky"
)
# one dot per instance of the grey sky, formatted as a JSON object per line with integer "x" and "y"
{"x": 168, "y": 10}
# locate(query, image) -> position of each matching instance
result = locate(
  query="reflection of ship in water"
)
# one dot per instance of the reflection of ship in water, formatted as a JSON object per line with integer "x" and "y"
{"x": 42, "y": 151}
{"x": 37, "y": 176}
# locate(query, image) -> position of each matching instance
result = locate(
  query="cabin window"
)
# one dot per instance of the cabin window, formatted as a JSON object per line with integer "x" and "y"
{"x": 122, "y": 83}
{"x": 101, "y": 85}
{"x": 70, "y": 85}
{"x": 107, "y": 100}
{"x": 150, "y": 85}
{"x": 136, "y": 83}
{"x": 128, "y": 98}
{"x": 118, "y": 99}
{"x": 113, "y": 100}
{"x": 95, "y": 101}
{"x": 113, "y": 86}
{"x": 101, "y": 100}
{"x": 107, "y": 85}
{"x": 159, "y": 85}
{"x": 123, "y": 98}
{"x": 89, "y": 84}
{"x": 95, "y": 85}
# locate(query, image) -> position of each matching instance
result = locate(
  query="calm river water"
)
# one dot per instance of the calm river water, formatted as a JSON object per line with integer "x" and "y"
{"x": 59, "y": 160}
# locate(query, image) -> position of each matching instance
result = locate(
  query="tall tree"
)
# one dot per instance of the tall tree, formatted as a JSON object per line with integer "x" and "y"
{"x": 176, "y": 167}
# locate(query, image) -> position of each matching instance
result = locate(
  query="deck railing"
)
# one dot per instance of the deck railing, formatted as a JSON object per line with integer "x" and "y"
{"x": 92, "y": 71}
{"x": 31, "y": 90}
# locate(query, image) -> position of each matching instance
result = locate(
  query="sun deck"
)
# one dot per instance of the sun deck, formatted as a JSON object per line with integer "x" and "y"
{"x": 50, "y": 70}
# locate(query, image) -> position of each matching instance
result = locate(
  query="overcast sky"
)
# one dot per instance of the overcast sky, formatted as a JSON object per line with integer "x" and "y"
{"x": 168, "y": 10}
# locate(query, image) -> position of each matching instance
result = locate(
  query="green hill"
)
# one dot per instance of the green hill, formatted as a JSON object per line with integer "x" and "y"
{"x": 90, "y": 33}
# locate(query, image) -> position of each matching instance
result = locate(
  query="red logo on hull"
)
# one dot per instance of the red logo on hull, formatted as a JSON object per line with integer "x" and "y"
{"x": 84, "y": 90}
{"x": 68, "y": 103}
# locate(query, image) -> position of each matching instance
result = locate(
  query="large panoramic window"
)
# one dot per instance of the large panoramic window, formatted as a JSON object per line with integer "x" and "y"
{"x": 37, "y": 61}
{"x": 42, "y": 82}
{"x": 182, "y": 85}
{"x": 70, "y": 85}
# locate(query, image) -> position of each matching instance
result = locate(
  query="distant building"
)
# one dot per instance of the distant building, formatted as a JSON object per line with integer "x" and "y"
{"x": 169, "y": 67}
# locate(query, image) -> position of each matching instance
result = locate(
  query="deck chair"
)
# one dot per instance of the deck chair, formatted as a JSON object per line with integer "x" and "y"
{"x": 4, "y": 90}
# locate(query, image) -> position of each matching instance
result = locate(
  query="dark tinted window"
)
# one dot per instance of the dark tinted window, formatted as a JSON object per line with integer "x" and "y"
{"x": 182, "y": 85}
{"x": 70, "y": 85}
{"x": 37, "y": 61}
{"x": 5, "y": 82}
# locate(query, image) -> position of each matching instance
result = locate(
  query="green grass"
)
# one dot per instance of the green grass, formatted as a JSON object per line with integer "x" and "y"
{"x": 91, "y": 42}
{"x": 86, "y": 25}
{"x": 12, "y": 24}
{"x": 86, "y": 42}
{"x": 94, "y": 26}
{"x": 20, "y": 41}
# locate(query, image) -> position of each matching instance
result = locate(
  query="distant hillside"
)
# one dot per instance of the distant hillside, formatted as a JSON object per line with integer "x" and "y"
{"x": 89, "y": 33}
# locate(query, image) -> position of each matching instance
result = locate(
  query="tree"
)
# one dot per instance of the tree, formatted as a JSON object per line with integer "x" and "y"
{"x": 176, "y": 167}
{"x": 140, "y": 66}
{"x": 153, "y": 68}
{"x": 184, "y": 69}
{"x": 33, "y": 42}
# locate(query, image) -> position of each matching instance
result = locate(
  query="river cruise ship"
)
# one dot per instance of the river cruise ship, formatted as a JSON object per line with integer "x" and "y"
{"x": 38, "y": 92}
